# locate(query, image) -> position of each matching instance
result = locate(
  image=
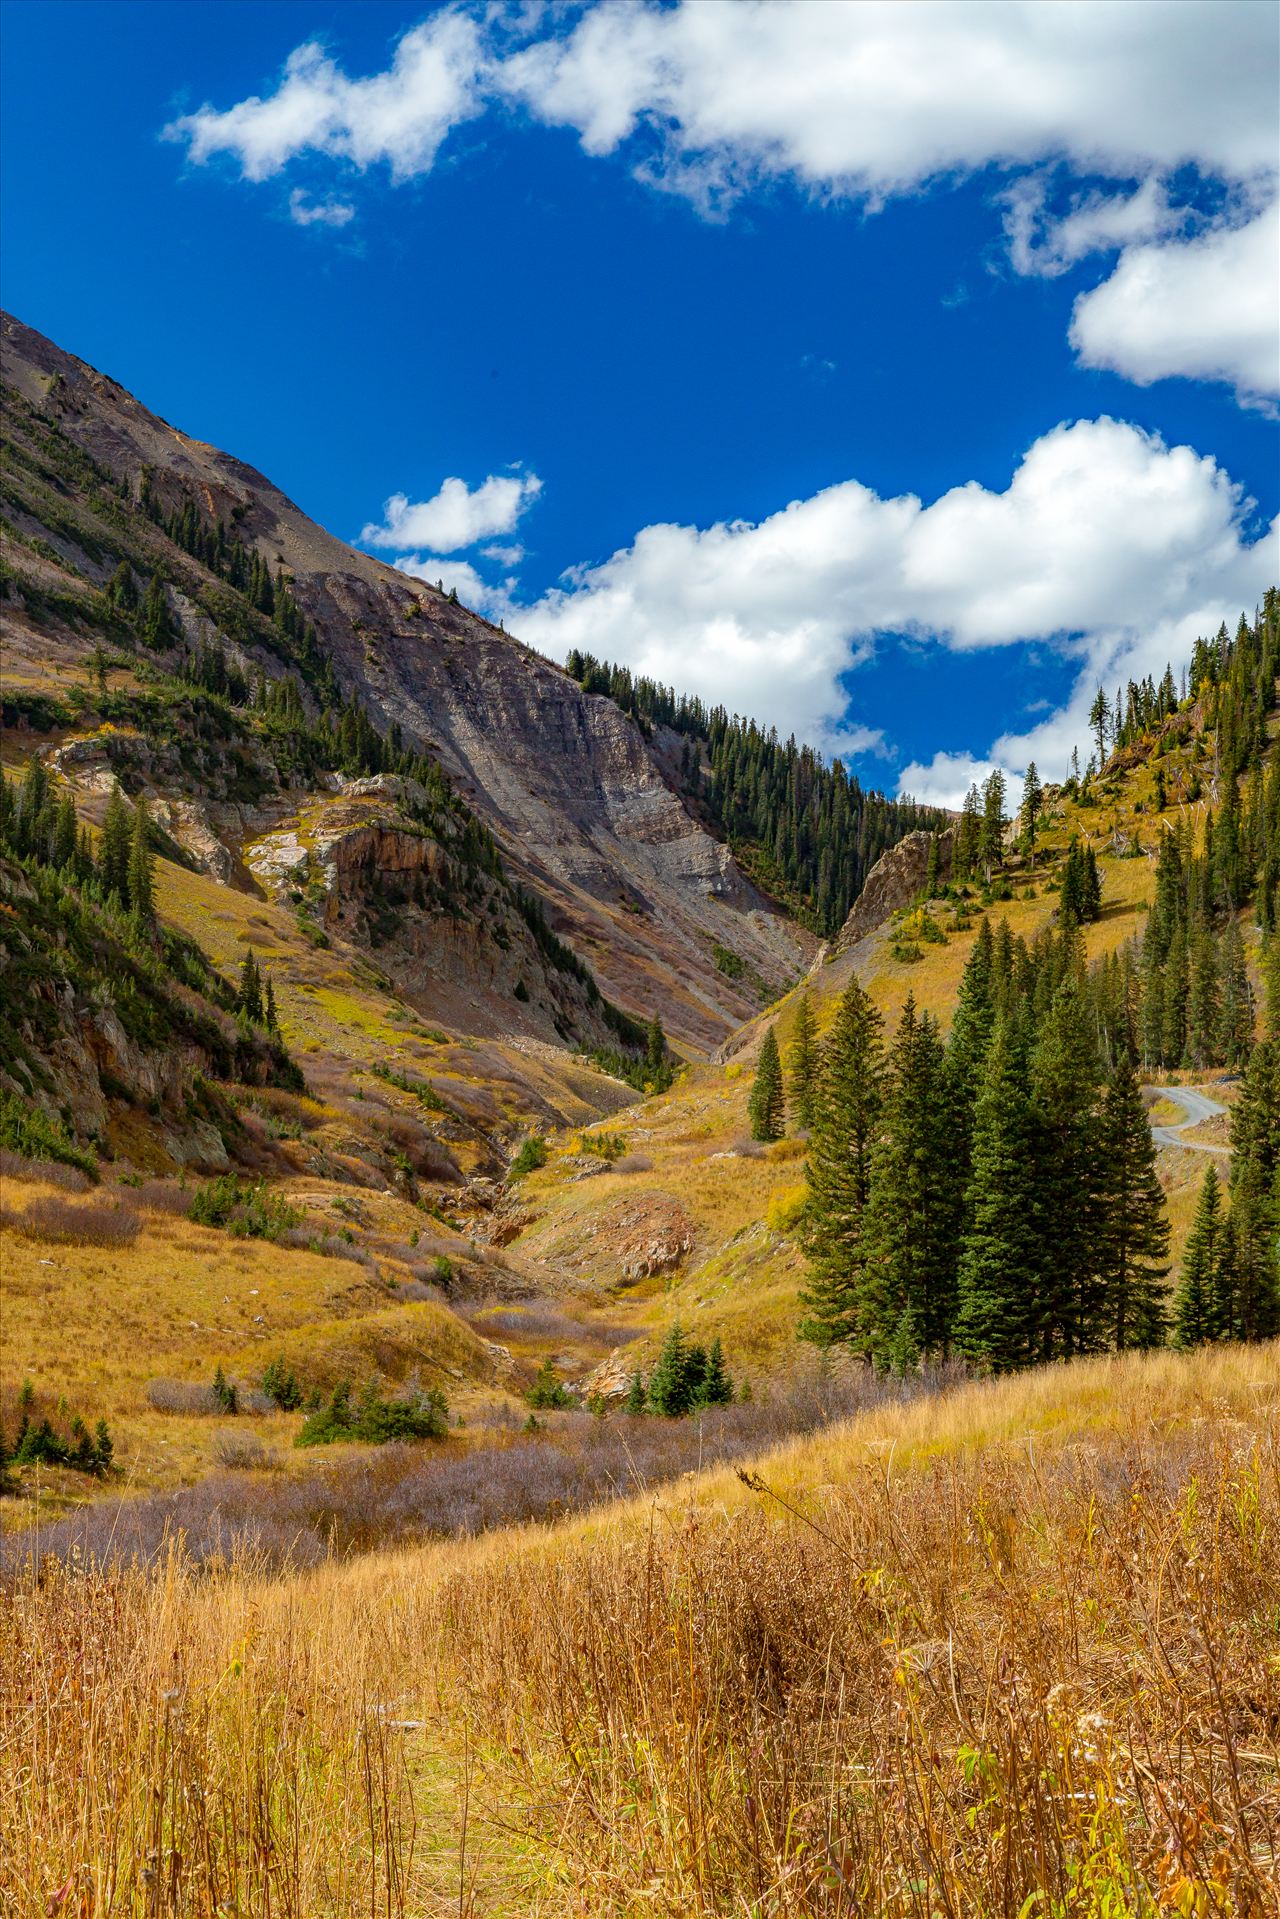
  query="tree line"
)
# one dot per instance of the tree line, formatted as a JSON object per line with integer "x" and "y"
{"x": 996, "y": 1196}
{"x": 806, "y": 830}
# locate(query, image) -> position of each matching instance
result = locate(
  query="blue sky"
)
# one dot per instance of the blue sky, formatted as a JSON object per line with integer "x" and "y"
{"x": 892, "y": 374}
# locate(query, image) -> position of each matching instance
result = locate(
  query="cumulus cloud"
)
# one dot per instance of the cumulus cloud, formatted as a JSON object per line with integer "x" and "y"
{"x": 398, "y": 118}
{"x": 452, "y": 574}
{"x": 456, "y": 516}
{"x": 306, "y": 212}
{"x": 1202, "y": 308}
{"x": 1104, "y": 535}
{"x": 879, "y": 97}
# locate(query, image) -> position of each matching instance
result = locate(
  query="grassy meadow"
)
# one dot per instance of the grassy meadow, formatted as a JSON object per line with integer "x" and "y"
{"x": 1011, "y": 1651}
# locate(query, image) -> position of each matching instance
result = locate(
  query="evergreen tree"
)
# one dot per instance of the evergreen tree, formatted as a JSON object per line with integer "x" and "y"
{"x": 1198, "y": 1282}
{"x": 839, "y": 1166}
{"x": 270, "y": 1018}
{"x": 911, "y": 1229}
{"x": 716, "y": 1388}
{"x": 249, "y": 997}
{"x": 1235, "y": 1012}
{"x": 803, "y": 1064}
{"x": 766, "y": 1105}
{"x": 998, "y": 1323}
{"x": 669, "y": 1384}
{"x": 141, "y": 864}
{"x": 991, "y": 845}
{"x": 1070, "y": 1307}
{"x": 1032, "y": 807}
{"x": 1134, "y": 1233}
{"x": 1099, "y": 720}
{"x": 636, "y": 1401}
{"x": 115, "y": 848}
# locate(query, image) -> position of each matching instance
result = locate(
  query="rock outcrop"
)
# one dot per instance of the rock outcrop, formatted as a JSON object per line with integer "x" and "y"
{"x": 897, "y": 878}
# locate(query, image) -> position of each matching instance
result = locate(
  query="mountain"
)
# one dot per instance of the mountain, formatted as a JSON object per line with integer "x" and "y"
{"x": 583, "y": 811}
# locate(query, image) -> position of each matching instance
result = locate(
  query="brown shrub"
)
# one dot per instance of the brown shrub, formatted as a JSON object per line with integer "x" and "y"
{"x": 58, "y": 1222}
{"x": 68, "y": 1179}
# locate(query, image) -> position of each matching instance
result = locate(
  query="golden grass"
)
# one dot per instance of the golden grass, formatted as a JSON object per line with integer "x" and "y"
{"x": 96, "y": 1323}
{"x": 1013, "y": 1652}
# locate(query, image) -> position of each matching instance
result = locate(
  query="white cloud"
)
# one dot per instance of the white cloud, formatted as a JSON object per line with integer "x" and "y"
{"x": 398, "y": 117}
{"x": 1103, "y": 535}
{"x": 1203, "y": 309}
{"x": 867, "y": 100}
{"x": 1097, "y": 222}
{"x": 946, "y": 778}
{"x": 456, "y": 516}
{"x": 305, "y": 212}
{"x": 473, "y": 591}
{"x": 879, "y": 97}
{"x": 504, "y": 555}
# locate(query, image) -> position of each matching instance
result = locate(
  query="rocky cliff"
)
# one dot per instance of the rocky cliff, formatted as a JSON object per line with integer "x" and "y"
{"x": 897, "y": 878}
{"x": 565, "y": 781}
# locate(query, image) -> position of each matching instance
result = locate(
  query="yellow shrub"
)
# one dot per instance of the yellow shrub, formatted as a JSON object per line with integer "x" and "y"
{"x": 782, "y": 1214}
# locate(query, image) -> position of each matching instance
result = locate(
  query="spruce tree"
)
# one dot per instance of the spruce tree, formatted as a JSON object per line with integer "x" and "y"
{"x": 911, "y": 1230}
{"x": 803, "y": 1065}
{"x": 270, "y": 1017}
{"x": 766, "y": 1105}
{"x": 998, "y": 1321}
{"x": 1070, "y": 1304}
{"x": 1235, "y": 1013}
{"x": 141, "y": 864}
{"x": 991, "y": 845}
{"x": 636, "y": 1401}
{"x": 115, "y": 848}
{"x": 716, "y": 1388}
{"x": 669, "y": 1394}
{"x": 249, "y": 997}
{"x": 1194, "y": 1299}
{"x": 1032, "y": 807}
{"x": 838, "y": 1166}
{"x": 1134, "y": 1231}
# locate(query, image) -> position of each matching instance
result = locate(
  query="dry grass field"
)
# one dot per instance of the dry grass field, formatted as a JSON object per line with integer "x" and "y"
{"x": 1012, "y": 1652}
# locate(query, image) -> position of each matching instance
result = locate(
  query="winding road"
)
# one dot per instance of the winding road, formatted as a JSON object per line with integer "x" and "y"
{"x": 1197, "y": 1108}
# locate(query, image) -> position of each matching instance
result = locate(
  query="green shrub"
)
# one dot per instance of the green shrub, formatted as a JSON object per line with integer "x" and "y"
{"x": 531, "y": 1155}
{"x": 280, "y": 1384}
{"x": 375, "y": 1418}
{"x": 244, "y": 1207}
{"x": 547, "y": 1393}
{"x": 25, "y": 1129}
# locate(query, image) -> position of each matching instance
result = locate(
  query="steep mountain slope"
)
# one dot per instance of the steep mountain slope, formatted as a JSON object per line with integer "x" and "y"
{"x": 567, "y": 784}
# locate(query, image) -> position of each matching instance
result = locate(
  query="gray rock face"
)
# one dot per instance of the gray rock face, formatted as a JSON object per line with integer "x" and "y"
{"x": 575, "y": 796}
{"x": 893, "y": 882}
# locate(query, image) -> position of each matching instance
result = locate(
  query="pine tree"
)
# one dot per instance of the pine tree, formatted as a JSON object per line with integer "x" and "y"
{"x": 1235, "y": 1013}
{"x": 141, "y": 863}
{"x": 270, "y": 1018}
{"x": 1032, "y": 807}
{"x": 249, "y": 997}
{"x": 991, "y": 846}
{"x": 1194, "y": 1300}
{"x": 839, "y": 1166}
{"x": 803, "y": 1064}
{"x": 1134, "y": 1231}
{"x": 766, "y": 1105}
{"x": 1063, "y": 1082}
{"x": 636, "y": 1401}
{"x": 669, "y": 1394}
{"x": 716, "y": 1388}
{"x": 997, "y": 1322}
{"x": 115, "y": 848}
{"x": 1099, "y": 720}
{"x": 911, "y": 1229}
